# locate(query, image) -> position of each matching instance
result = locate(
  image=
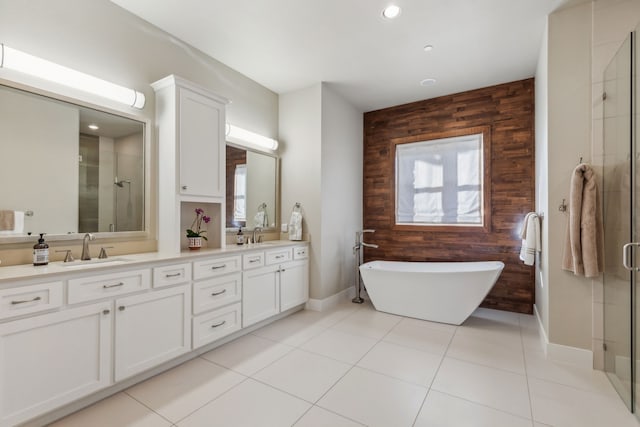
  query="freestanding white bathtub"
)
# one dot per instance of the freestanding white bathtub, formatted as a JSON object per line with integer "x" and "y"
{"x": 446, "y": 292}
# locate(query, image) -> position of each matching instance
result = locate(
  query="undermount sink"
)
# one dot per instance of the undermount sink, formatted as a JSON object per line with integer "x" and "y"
{"x": 93, "y": 263}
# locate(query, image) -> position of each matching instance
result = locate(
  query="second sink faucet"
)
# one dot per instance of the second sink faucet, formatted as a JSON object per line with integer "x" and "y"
{"x": 256, "y": 237}
{"x": 86, "y": 254}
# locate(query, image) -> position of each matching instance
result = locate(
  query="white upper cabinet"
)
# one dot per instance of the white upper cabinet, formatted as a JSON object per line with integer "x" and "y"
{"x": 201, "y": 140}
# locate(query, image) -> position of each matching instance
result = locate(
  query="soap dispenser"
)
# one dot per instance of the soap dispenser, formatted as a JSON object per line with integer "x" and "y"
{"x": 240, "y": 237}
{"x": 41, "y": 252}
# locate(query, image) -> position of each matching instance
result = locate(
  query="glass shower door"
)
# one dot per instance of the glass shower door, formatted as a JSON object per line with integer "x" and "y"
{"x": 619, "y": 227}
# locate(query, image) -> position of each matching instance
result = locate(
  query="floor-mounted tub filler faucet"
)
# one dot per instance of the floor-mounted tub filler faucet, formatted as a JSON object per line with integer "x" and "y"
{"x": 358, "y": 255}
{"x": 86, "y": 254}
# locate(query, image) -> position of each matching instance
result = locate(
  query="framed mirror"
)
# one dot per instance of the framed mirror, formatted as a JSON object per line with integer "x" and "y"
{"x": 68, "y": 169}
{"x": 252, "y": 189}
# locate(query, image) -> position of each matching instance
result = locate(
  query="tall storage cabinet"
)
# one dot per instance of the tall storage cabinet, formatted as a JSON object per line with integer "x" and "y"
{"x": 191, "y": 159}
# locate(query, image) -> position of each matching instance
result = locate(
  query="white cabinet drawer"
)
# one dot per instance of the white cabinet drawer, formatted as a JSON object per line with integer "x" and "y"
{"x": 252, "y": 260}
{"x": 171, "y": 275}
{"x": 215, "y": 267}
{"x": 278, "y": 256}
{"x": 301, "y": 252}
{"x": 213, "y": 293}
{"x": 212, "y": 326}
{"x": 30, "y": 299}
{"x": 107, "y": 285}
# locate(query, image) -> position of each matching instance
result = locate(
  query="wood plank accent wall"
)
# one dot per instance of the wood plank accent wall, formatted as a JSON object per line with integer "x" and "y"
{"x": 508, "y": 111}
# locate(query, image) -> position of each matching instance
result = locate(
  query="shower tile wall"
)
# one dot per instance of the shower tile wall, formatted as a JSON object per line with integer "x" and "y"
{"x": 508, "y": 110}
{"x": 613, "y": 20}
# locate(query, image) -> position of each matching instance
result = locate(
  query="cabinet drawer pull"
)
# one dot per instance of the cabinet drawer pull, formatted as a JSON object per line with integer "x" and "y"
{"x": 106, "y": 311}
{"x": 219, "y": 324}
{"x": 25, "y": 301}
{"x": 279, "y": 256}
{"x": 172, "y": 275}
{"x": 121, "y": 308}
{"x": 184, "y": 187}
{"x": 281, "y": 270}
{"x": 113, "y": 286}
{"x": 251, "y": 261}
{"x": 218, "y": 293}
{"x": 217, "y": 267}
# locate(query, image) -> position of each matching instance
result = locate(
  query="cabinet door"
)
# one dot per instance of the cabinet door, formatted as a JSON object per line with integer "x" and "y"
{"x": 260, "y": 295}
{"x": 201, "y": 141}
{"x": 49, "y": 360}
{"x": 294, "y": 284}
{"x": 150, "y": 329}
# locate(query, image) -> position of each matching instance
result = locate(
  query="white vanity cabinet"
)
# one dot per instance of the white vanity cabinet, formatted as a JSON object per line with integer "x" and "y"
{"x": 294, "y": 284}
{"x": 52, "y": 359}
{"x": 151, "y": 328}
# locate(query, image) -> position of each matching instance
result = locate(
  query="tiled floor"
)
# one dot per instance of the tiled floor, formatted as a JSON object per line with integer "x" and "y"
{"x": 354, "y": 366}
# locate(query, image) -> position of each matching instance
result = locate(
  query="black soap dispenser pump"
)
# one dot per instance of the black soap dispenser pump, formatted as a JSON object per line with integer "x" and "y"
{"x": 41, "y": 252}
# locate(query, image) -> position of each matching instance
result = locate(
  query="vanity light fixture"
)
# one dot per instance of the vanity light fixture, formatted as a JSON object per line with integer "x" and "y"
{"x": 428, "y": 82}
{"x": 244, "y": 137}
{"x": 93, "y": 126}
{"x": 390, "y": 12}
{"x": 14, "y": 59}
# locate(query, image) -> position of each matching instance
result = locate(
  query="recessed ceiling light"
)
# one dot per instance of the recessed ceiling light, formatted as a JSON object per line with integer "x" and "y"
{"x": 93, "y": 126}
{"x": 428, "y": 48}
{"x": 428, "y": 82}
{"x": 391, "y": 11}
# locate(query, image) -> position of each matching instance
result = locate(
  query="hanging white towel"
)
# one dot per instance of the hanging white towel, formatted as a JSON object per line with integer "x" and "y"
{"x": 295, "y": 225}
{"x": 18, "y": 224}
{"x": 530, "y": 235}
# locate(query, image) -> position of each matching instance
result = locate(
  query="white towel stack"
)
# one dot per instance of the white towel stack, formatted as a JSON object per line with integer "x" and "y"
{"x": 530, "y": 235}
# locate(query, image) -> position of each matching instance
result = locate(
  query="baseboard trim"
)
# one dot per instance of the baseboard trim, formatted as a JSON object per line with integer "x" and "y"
{"x": 563, "y": 353}
{"x": 330, "y": 301}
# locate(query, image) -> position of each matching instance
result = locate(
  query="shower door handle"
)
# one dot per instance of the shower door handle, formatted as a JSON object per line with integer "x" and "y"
{"x": 625, "y": 256}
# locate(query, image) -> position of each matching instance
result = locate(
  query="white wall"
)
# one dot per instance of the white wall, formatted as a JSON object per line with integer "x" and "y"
{"x": 341, "y": 189}
{"x": 301, "y": 141}
{"x": 321, "y": 135}
{"x": 542, "y": 182}
{"x": 39, "y": 157}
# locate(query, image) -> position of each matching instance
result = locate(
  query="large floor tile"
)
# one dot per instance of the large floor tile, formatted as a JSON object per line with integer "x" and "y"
{"x": 489, "y": 351}
{"x": 422, "y": 335}
{"x": 249, "y": 404}
{"x": 339, "y": 345}
{"x": 443, "y": 410}
{"x": 374, "y": 399}
{"x": 248, "y": 354}
{"x": 303, "y": 374}
{"x": 402, "y": 362}
{"x": 180, "y": 391}
{"x": 562, "y": 406}
{"x": 318, "y": 417}
{"x": 335, "y": 314}
{"x": 115, "y": 411}
{"x": 496, "y": 388}
{"x": 292, "y": 330}
{"x": 368, "y": 323}
{"x": 504, "y": 317}
{"x": 538, "y": 366}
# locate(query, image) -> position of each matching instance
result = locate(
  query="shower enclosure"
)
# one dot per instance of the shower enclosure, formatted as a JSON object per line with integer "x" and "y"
{"x": 621, "y": 228}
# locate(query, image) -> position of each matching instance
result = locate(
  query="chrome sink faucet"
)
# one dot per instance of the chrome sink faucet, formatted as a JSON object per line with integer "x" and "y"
{"x": 86, "y": 254}
{"x": 255, "y": 236}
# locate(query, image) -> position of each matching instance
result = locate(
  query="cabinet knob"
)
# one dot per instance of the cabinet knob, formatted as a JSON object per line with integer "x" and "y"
{"x": 121, "y": 308}
{"x": 184, "y": 187}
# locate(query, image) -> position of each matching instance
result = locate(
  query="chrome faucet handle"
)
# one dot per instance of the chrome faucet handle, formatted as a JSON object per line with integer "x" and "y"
{"x": 103, "y": 252}
{"x": 69, "y": 256}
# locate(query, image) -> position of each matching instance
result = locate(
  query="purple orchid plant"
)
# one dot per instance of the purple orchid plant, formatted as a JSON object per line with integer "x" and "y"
{"x": 196, "y": 227}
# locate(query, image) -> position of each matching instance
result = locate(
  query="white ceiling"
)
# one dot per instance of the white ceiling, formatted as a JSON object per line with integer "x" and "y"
{"x": 375, "y": 63}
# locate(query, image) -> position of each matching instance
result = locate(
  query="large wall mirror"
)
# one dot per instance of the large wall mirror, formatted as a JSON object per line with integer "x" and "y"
{"x": 252, "y": 189}
{"x": 68, "y": 168}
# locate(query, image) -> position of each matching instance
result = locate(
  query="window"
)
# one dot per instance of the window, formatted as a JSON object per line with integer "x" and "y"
{"x": 440, "y": 182}
{"x": 240, "y": 193}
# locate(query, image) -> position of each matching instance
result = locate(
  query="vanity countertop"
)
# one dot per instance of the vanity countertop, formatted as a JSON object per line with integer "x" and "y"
{"x": 28, "y": 271}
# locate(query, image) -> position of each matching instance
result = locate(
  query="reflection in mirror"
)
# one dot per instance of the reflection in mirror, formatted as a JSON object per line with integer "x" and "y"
{"x": 251, "y": 189}
{"x": 76, "y": 169}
